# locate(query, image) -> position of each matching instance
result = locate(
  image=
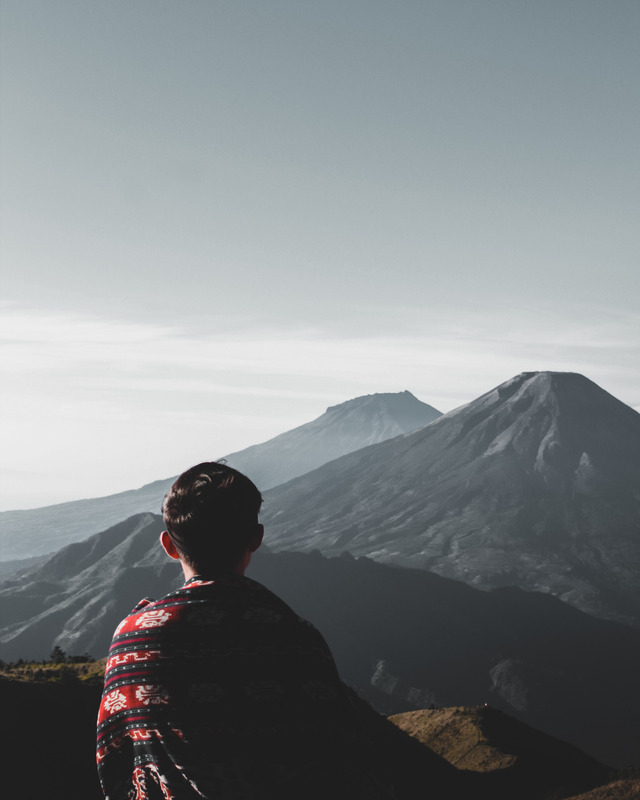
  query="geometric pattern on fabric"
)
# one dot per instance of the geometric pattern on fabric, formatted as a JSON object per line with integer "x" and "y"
{"x": 219, "y": 690}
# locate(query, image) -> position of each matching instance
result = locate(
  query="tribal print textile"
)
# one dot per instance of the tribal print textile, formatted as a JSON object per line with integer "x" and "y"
{"x": 221, "y": 691}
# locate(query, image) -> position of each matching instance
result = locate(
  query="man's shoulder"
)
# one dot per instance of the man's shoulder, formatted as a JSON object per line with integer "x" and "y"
{"x": 234, "y": 598}
{"x": 241, "y": 597}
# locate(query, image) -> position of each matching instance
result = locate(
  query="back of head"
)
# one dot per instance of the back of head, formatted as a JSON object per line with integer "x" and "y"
{"x": 211, "y": 514}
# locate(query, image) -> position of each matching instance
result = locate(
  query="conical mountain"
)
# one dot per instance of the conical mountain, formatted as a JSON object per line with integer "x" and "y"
{"x": 534, "y": 484}
{"x": 341, "y": 429}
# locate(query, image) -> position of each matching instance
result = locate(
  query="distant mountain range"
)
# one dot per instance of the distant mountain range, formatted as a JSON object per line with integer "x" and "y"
{"x": 341, "y": 429}
{"x": 535, "y": 484}
{"x": 404, "y": 638}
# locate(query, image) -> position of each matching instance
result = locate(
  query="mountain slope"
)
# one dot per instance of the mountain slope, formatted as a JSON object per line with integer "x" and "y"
{"x": 534, "y": 484}
{"x": 523, "y": 762}
{"x": 404, "y": 638}
{"x": 341, "y": 429}
{"x": 626, "y": 789}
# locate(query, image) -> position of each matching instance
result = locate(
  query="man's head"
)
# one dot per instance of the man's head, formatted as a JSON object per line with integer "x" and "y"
{"x": 211, "y": 515}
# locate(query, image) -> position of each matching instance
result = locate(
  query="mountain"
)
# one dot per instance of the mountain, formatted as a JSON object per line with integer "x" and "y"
{"x": 404, "y": 638}
{"x": 76, "y": 598}
{"x": 535, "y": 484}
{"x": 341, "y": 429}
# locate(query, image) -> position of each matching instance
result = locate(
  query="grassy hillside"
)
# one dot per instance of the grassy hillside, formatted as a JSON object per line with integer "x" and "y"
{"x": 518, "y": 759}
{"x": 78, "y": 670}
{"x": 627, "y": 789}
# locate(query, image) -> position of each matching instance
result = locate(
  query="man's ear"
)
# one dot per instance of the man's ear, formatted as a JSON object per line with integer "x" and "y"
{"x": 255, "y": 543}
{"x": 168, "y": 545}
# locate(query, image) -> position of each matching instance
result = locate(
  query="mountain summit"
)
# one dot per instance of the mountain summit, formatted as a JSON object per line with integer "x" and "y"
{"x": 534, "y": 484}
{"x": 341, "y": 429}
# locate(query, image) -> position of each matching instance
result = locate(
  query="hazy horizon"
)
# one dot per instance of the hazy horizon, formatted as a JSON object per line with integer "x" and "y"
{"x": 218, "y": 219}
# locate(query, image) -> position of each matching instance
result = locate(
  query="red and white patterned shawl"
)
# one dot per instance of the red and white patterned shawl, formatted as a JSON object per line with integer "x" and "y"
{"x": 219, "y": 690}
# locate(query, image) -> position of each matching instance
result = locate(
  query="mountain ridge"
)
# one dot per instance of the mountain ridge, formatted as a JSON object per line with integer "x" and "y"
{"x": 341, "y": 429}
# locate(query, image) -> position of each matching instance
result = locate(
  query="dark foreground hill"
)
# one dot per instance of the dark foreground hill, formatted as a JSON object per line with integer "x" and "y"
{"x": 48, "y": 740}
{"x": 56, "y": 722}
{"x": 341, "y": 429}
{"x": 405, "y": 639}
{"x": 535, "y": 484}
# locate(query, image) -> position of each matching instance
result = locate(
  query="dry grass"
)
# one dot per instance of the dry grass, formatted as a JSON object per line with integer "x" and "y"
{"x": 456, "y": 734}
{"x": 628, "y": 789}
{"x": 512, "y": 759}
{"x": 55, "y": 672}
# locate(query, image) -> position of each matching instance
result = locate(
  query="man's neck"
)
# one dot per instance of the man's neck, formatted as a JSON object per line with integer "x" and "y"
{"x": 191, "y": 572}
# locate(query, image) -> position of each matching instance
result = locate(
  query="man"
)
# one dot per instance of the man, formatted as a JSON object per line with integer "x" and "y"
{"x": 219, "y": 690}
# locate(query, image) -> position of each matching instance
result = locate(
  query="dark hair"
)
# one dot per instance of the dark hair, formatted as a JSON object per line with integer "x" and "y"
{"x": 211, "y": 514}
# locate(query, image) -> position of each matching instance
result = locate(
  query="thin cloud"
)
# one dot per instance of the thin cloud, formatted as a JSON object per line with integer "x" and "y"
{"x": 100, "y": 353}
{"x": 106, "y": 404}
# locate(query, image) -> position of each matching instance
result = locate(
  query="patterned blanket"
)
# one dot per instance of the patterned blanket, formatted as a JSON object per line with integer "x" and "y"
{"x": 219, "y": 690}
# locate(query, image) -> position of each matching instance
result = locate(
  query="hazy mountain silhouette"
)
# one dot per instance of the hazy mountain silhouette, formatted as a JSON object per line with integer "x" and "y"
{"x": 404, "y": 638}
{"x": 341, "y": 429}
{"x": 534, "y": 484}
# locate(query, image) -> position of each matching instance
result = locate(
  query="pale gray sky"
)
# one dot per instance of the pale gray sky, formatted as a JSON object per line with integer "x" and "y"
{"x": 220, "y": 217}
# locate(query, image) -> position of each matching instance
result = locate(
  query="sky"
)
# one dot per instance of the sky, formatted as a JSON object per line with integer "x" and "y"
{"x": 219, "y": 218}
